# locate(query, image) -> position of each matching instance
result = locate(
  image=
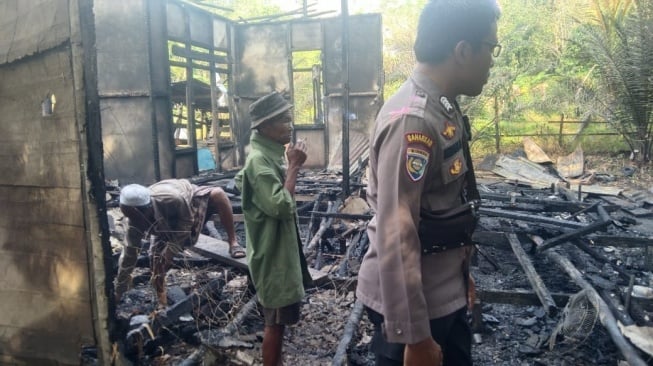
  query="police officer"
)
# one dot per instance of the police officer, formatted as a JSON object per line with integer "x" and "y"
{"x": 416, "y": 296}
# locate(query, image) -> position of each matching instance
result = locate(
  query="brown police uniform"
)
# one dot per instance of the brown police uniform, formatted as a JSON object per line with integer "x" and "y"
{"x": 416, "y": 162}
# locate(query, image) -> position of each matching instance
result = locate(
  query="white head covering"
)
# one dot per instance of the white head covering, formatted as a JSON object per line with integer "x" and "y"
{"x": 134, "y": 195}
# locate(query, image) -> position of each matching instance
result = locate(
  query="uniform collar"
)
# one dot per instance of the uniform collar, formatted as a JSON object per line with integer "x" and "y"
{"x": 424, "y": 82}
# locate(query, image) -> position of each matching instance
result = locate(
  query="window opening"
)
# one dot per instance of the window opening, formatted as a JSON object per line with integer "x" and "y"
{"x": 307, "y": 87}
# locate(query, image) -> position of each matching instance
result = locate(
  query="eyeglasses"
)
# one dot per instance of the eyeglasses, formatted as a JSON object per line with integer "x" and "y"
{"x": 495, "y": 48}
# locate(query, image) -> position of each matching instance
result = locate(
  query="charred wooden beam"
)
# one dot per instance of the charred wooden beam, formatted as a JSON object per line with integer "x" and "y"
{"x": 600, "y": 257}
{"x": 587, "y": 209}
{"x": 345, "y": 216}
{"x": 526, "y": 207}
{"x": 550, "y": 243}
{"x": 603, "y": 213}
{"x": 344, "y": 262}
{"x": 340, "y": 357}
{"x": 324, "y": 225}
{"x": 311, "y": 223}
{"x": 534, "y": 278}
{"x": 629, "y": 292}
{"x": 621, "y": 241}
{"x": 531, "y": 218}
{"x": 550, "y": 205}
{"x": 568, "y": 193}
{"x": 211, "y": 338}
{"x": 193, "y": 301}
{"x": 146, "y": 338}
{"x": 207, "y": 57}
{"x": 488, "y": 257}
{"x": 518, "y": 297}
{"x": 618, "y": 309}
{"x": 495, "y": 239}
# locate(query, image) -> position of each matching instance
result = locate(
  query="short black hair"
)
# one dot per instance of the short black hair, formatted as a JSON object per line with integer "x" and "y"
{"x": 444, "y": 23}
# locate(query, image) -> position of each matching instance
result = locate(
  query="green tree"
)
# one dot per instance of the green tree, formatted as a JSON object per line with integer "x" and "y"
{"x": 618, "y": 42}
{"x": 399, "y": 30}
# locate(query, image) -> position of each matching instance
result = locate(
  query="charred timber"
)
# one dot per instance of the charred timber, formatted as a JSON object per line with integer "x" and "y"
{"x": 551, "y": 205}
{"x": 550, "y": 243}
{"x": 621, "y": 241}
{"x": 533, "y": 277}
{"x": 531, "y": 218}
{"x": 345, "y": 216}
{"x": 340, "y": 358}
{"x": 618, "y": 309}
{"x": 580, "y": 243}
{"x": 211, "y": 338}
{"x": 518, "y": 297}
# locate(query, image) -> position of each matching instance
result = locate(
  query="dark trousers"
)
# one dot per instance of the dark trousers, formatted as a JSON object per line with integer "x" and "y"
{"x": 451, "y": 332}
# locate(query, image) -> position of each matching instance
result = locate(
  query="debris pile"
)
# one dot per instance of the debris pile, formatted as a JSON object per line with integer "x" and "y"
{"x": 560, "y": 268}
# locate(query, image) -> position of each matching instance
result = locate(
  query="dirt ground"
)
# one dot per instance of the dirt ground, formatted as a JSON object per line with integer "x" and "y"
{"x": 510, "y": 334}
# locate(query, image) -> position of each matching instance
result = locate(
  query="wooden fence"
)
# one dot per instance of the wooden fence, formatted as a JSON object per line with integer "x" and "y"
{"x": 560, "y": 131}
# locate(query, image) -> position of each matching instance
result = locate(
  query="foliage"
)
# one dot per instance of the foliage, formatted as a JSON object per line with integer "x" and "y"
{"x": 306, "y": 81}
{"x": 398, "y": 39}
{"x": 236, "y": 10}
{"x": 618, "y": 41}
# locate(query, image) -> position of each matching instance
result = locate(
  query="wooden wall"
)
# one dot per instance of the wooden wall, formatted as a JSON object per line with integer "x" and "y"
{"x": 48, "y": 300}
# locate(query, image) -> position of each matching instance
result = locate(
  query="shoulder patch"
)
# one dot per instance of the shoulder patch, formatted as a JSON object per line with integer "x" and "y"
{"x": 449, "y": 130}
{"x": 418, "y": 153}
{"x": 416, "y": 161}
{"x": 420, "y": 138}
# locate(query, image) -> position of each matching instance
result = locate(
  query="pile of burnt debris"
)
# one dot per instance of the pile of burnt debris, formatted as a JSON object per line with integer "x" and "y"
{"x": 563, "y": 270}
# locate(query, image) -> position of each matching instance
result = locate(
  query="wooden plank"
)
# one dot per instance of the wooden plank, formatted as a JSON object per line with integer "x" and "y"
{"x": 305, "y": 197}
{"x": 182, "y": 52}
{"x": 219, "y": 250}
{"x": 596, "y": 189}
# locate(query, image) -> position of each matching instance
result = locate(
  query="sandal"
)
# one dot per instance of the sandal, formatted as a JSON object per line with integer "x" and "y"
{"x": 236, "y": 251}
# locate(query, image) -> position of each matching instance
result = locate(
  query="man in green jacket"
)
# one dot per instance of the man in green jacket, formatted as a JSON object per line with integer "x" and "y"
{"x": 274, "y": 250}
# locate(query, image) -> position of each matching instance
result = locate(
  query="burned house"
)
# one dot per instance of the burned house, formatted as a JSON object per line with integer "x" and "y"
{"x": 138, "y": 91}
{"x": 178, "y": 84}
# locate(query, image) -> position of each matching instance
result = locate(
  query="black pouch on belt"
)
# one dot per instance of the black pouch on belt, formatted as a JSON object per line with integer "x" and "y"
{"x": 451, "y": 229}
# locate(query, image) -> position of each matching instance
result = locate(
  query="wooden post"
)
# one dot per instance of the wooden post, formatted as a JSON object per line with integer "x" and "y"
{"x": 497, "y": 133}
{"x": 562, "y": 123}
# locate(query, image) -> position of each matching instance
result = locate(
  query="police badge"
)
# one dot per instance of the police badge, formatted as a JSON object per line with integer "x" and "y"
{"x": 416, "y": 162}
